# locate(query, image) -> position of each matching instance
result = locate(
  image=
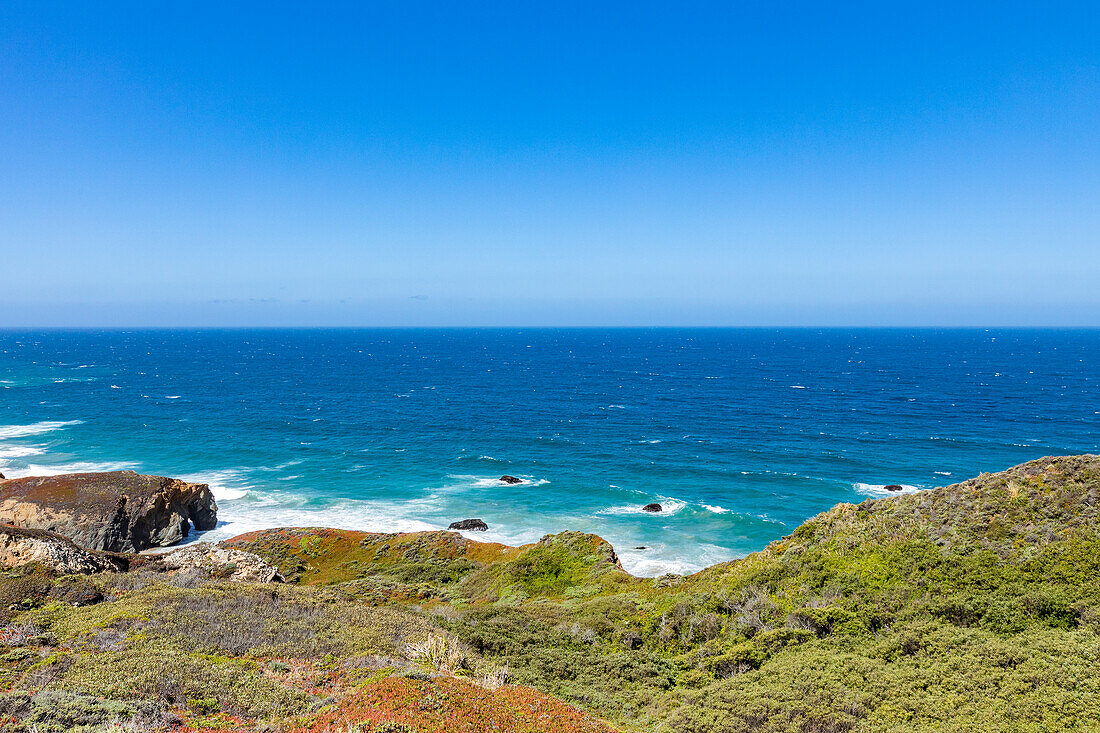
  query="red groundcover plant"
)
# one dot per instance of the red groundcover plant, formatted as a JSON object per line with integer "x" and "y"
{"x": 450, "y": 705}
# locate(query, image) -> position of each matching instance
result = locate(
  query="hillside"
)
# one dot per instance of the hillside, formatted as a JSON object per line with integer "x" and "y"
{"x": 969, "y": 607}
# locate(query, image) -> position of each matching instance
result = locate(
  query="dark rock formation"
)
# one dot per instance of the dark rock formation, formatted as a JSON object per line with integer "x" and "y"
{"x": 2, "y": 477}
{"x": 118, "y": 511}
{"x": 511, "y": 479}
{"x": 21, "y": 546}
{"x": 654, "y": 507}
{"x": 475, "y": 525}
{"x": 894, "y": 487}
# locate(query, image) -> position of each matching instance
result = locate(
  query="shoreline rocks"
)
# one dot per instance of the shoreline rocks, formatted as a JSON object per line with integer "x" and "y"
{"x": 893, "y": 487}
{"x": 510, "y": 480}
{"x": 221, "y": 562}
{"x": 116, "y": 511}
{"x": 653, "y": 508}
{"x": 470, "y": 525}
{"x": 20, "y": 546}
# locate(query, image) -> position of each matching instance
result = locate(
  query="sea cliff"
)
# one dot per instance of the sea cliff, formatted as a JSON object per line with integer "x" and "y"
{"x": 974, "y": 606}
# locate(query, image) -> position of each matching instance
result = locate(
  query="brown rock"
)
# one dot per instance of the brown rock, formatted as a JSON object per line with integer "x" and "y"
{"x": 893, "y": 487}
{"x": 654, "y": 507}
{"x": 60, "y": 554}
{"x": 511, "y": 479}
{"x": 221, "y": 562}
{"x": 118, "y": 511}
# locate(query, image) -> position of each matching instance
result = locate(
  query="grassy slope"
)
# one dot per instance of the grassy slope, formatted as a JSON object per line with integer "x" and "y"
{"x": 971, "y": 607}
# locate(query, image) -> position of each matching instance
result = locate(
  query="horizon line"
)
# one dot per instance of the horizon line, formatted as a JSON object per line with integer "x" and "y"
{"x": 574, "y": 327}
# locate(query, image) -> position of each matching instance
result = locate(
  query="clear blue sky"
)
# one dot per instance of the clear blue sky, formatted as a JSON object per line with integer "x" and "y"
{"x": 404, "y": 163}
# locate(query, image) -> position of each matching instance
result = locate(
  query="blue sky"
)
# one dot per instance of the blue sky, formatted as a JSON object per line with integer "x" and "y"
{"x": 570, "y": 164}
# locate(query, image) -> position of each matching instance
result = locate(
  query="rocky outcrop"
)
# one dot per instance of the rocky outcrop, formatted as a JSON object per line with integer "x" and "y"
{"x": 506, "y": 479}
{"x": 655, "y": 507}
{"x": 221, "y": 562}
{"x": 117, "y": 511}
{"x": 22, "y": 546}
{"x": 473, "y": 525}
{"x": 893, "y": 487}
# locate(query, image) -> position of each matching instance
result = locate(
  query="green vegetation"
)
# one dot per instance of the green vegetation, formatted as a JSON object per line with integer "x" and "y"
{"x": 974, "y": 607}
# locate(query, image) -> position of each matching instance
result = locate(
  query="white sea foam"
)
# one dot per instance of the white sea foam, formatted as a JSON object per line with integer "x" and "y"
{"x": 797, "y": 386}
{"x": 33, "y": 469}
{"x": 716, "y": 509}
{"x": 656, "y": 560}
{"x": 282, "y": 466}
{"x": 942, "y": 473}
{"x": 268, "y": 512}
{"x": 38, "y": 428}
{"x": 487, "y": 482}
{"x": 226, "y": 484}
{"x": 668, "y": 506}
{"x": 20, "y": 451}
{"x": 877, "y": 490}
{"x": 488, "y": 459}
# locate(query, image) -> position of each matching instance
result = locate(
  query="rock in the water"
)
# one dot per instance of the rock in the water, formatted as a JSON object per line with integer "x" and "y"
{"x": 117, "y": 511}
{"x": 221, "y": 562}
{"x": 2, "y": 477}
{"x": 654, "y": 507}
{"x": 511, "y": 479}
{"x": 894, "y": 487}
{"x": 640, "y": 547}
{"x": 21, "y": 546}
{"x": 475, "y": 525}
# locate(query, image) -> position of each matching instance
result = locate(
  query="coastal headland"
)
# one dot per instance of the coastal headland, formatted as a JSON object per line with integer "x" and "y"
{"x": 974, "y": 606}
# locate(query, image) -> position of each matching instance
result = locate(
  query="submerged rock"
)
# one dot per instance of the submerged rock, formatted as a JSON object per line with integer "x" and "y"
{"x": 21, "y": 546}
{"x": 221, "y": 562}
{"x": 654, "y": 507}
{"x": 510, "y": 479}
{"x": 474, "y": 525}
{"x": 116, "y": 511}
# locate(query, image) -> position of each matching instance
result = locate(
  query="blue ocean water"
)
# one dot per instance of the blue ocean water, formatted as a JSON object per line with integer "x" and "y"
{"x": 740, "y": 434}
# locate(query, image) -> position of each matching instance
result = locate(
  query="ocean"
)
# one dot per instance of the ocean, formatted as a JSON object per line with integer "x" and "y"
{"x": 740, "y": 434}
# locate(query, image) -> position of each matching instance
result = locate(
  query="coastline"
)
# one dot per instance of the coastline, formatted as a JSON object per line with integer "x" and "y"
{"x": 974, "y": 589}
{"x": 646, "y": 561}
{"x": 246, "y": 510}
{"x": 404, "y": 430}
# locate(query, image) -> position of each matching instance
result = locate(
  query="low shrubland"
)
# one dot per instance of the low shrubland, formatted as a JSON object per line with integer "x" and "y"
{"x": 970, "y": 608}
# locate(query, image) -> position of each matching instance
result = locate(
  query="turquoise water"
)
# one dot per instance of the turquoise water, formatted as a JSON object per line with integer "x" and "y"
{"x": 740, "y": 434}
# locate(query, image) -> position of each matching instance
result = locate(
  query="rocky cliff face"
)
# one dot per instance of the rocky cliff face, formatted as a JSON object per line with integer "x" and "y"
{"x": 22, "y": 546}
{"x": 118, "y": 511}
